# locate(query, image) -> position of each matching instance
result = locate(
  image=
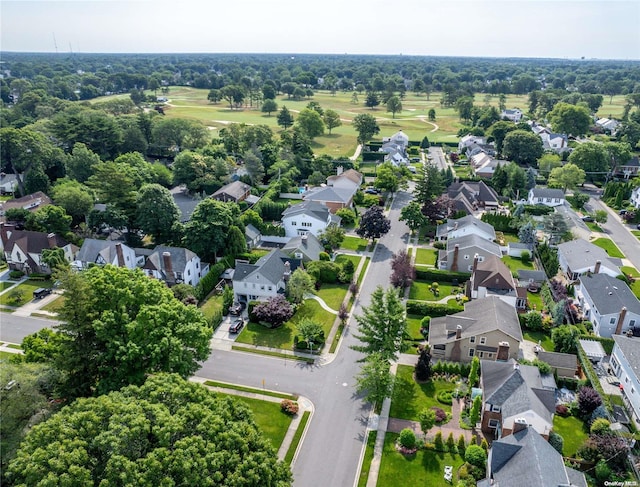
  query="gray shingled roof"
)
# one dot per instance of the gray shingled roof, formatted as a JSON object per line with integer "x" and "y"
{"x": 630, "y": 348}
{"x": 251, "y": 232}
{"x": 609, "y": 295}
{"x": 308, "y": 245}
{"x": 270, "y": 266}
{"x": 463, "y": 222}
{"x": 329, "y": 194}
{"x": 547, "y": 193}
{"x": 236, "y": 190}
{"x": 179, "y": 258}
{"x": 492, "y": 273}
{"x": 526, "y": 459}
{"x": 92, "y": 248}
{"x": 559, "y": 360}
{"x": 579, "y": 254}
{"x": 473, "y": 240}
{"x": 535, "y": 276}
{"x": 314, "y": 208}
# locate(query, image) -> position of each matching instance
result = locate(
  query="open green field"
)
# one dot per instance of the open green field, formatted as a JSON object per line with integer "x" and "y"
{"x": 421, "y": 290}
{"x": 426, "y": 256}
{"x": 26, "y": 288}
{"x": 572, "y": 430}
{"x": 609, "y": 246}
{"x": 425, "y": 467}
{"x": 409, "y": 397}
{"x": 333, "y": 294}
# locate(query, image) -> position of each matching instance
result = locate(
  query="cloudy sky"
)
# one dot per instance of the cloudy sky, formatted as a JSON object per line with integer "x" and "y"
{"x": 606, "y": 29}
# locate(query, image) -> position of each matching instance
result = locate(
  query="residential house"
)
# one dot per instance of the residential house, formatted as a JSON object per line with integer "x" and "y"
{"x": 236, "y": 191}
{"x": 515, "y": 115}
{"x": 468, "y": 225}
{"x": 546, "y": 196}
{"x": 23, "y": 249}
{"x": 526, "y": 459}
{"x": 554, "y": 142}
{"x": 562, "y": 364}
{"x": 8, "y": 183}
{"x": 579, "y": 257}
{"x": 307, "y": 217}
{"x": 185, "y": 202}
{"x": 486, "y": 169}
{"x": 349, "y": 179}
{"x": 103, "y": 252}
{"x": 333, "y": 198}
{"x": 460, "y": 252}
{"x": 265, "y": 279}
{"x": 305, "y": 247}
{"x": 629, "y": 169}
{"x": 31, "y": 202}
{"x": 252, "y": 236}
{"x": 635, "y": 197}
{"x": 511, "y": 391}
{"x": 608, "y": 125}
{"x": 625, "y": 365}
{"x": 487, "y": 328}
{"x": 528, "y": 278}
{"x": 469, "y": 141}
{"x": 491, "y": 277}
{"x": 175, "y": 265}
{"x": 470, "y": 196}
{"x": 395, "y": 148}
{"x": 609, "y": 304}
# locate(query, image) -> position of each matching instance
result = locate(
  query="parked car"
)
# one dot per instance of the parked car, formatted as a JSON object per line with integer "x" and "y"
{"x": 415, "y": 159}
{"x": 587, "y": 218}
{"x": 41, "y": 292}
{"x": 371, "y": 191}
{"x": 412, "y": 169}
{"x": 622, "y": 212}
{"x": 236, "y": 309}
{"x": 236, "y": 326}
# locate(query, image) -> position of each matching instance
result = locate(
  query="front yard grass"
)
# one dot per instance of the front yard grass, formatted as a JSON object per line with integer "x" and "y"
{"x": 282, "y": 337}
{"x": 5, "y": 285}
{"x": 211, "y": 306}
{"x": 609, "y": 246}
{"x": 630, "y": 271}
{"x": 366, "y": 460}
{"x": 354, "y": 243}
{"x": 333, "y": 294}
{"x": 355, "y": 259}
{"x": 515, "y": 264}
{"x": 425, "y": 467}
{"x": 636, "y": 233}
{"x": 573, "y": 431}
{"x": 27, "y": 289}
{"x": 413, "y": 326}
{"x": 538, "y": 336}
{"x": 422, "y": 290}
{"x": 54, "y": 306}
{"x": 426, "y": 256}
{"x": 409, "y": 397}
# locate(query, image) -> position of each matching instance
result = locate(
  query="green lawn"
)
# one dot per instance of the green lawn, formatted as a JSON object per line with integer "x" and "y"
{"x": 609, "y": 246}
{"x": 282, "y": 337}
{"x": 594, "y": 227}
{"x": 364, "y": 270}
{"x": 270, "y": 419}
{"x": 366, "y": 461}
{"x": 355, "y": 259}
{"x": 5, "y": 285}
{"x": 425, "y": 467}
{"x": 333, "y": 294}
{"x": 426, "y": 256}
{"x": 572, "y": 430}
{"x": 54, "y": 306}
{"x": 413, "y": 326}
{"x": 211, "y": 305}
{"x": 535, "y": 301}
{"x": 421, "y": 290}
{"x": 354, "y": 243}
{"x": 630, "y": 271}
{"x": 27, "y": 289}
{"x": 636, "y": 233}
{"x": 409, "y": 398}
{"x": 515, "y": 264}
{"x": 635, "y": 288}
{"x": 538, "y": 336}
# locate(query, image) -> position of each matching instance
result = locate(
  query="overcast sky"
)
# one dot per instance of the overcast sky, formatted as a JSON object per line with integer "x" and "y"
{"x": 606, "y": 29}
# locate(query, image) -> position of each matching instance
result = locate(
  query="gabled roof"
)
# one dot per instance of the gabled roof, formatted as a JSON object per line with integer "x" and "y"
{"x": 547, "y": 193}
{"x": 526, "y": 459}
{"x": 32, "y": 201}
{"x": 535, "y": 276}
{"x": 473, "y": 240}
{"x": 251, "y": 232}
{"x": 236, "y": 190}
{"x": 179, "y": 258}
{"x": 307, "y": 244}
{"x": 329, "y": 194}
{"x": 350, "y": 174}
{"x": 630, "y": 348}
{"x": 580, "y": 254}
{"x": 492, "y": 273}
{"x": 93, "y": 248}
{"x": 633, "y": 162}
{"x": 32, "y": 242}
{"x": 465, "y": 221}
{"x": 609, "y": 294}
{"x": 559, "y": 360}
{"x": 317, "y": 210}
{"x": 271, "y": 267}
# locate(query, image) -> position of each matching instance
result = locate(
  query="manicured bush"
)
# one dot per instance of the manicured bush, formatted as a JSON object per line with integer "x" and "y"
{"x": 289, "y": 407}
{"x": 600, "y": 426}
{"x": 407, "y": 438}
{"x": 562, "y": 410}
{"x": 432, "y": 309}
{"x": 476, "y": 456}
{"x": 556, "y": 441}
{"x": 324, "y": 272}
{"x": 444, "y": 397}
{"x": 462, "y": 445}
{"x": 588, "y": 401}
{"x": 438, "y": 444}
{"x": 441, "y": 415}
{"x": 323, "y": 256}
{"x": 275, "y": 311}
{"x": 451, "y": 443}
{"x": 15, "y": 274}
{"x": 432, "y": 275}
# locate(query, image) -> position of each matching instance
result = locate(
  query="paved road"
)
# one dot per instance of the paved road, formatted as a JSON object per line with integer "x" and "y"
{"x": 13, "y": 328}
{"x": 438, "y": 158}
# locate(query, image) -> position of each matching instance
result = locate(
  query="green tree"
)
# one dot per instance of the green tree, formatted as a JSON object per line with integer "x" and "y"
{"x": 548, "y": 162}
{"x": 386, "y": 178}
{"x": 431, "y": 114}
{"x": 555, "y": 225}
{"x": 570, "y": 119}
{"x": 394, "y": 105}
{"x": 429, "y": 184}
{"x": 601, "y": 216}
{"x": 141, "y": 435}
{"x": 178, "y": 134}
{"x": 42, "y": 346}
{"x": 114, "y": 184}
{"x": 75, "y": 198}
{"x": 206, "y": 231}
{"x": 474, "y": 414}
{"x": 382, "y": 325}
{"x": 427, "y": 419}
{"x": 49, "y": 219}
{"x": 407, "y": 438}
{"x": 81, "y": 162}
{"x": 473, "y": 374}
{"x": 372, "y": 100}
{"x": 464, "y": 107}
{"x": 566, "y": 177}
{"x": 522, "y": 147}
{"x": 619, "y": 153}
{"x": 310, "y": 122}
{"x": 332, "y": 236}
{"x": 331, "y": 119}
{"x": 253, "y": 164}
{"x": 366, "y": 126}
{"x": 300, "y": 283}
{"x": 234, "y": 94}
{"x": 311, "y": 332}
{"x": 375, "y": 379}
{"x": 236, "y": 242}
{"x": 412, "y": 216}
{"x": 499, "y": 131}
{"x": 285, "y": 119}
{"x": 476, "y": 456}
{"x": 131, "y": 325}
{"x": 564, "y": 338}
{"x": 269, "y": 106}
{"x": 157, "y": 213}
{"x": 592, "y": 158}
{"x": 373, "y": 224}
{"x": 54, "y": 258}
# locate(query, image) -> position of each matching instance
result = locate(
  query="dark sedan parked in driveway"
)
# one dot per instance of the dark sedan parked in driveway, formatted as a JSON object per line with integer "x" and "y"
{"x": 236, "y": 326}
{"x": 236, "y": 309}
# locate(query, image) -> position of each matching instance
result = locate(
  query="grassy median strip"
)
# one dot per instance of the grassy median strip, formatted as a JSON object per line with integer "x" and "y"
{"x": 296, "y": 438}
{"x": 336, "y": 339}
{"x": 234, "y": 387}
{"x": 366, "y": 461}
{"x": 363, "y": 271}
{"x": 273, "y": 354}
{"x": 14, "y": 346}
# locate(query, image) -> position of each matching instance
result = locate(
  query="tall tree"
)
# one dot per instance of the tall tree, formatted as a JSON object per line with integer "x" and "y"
{"x": 269, "y": 106}
{"x": 366, "y": 126}
{"x": 140, "y": 436}
{"x": 499, "y": 131}
{"x": 23, "y": 151}
{"x": 403, "y": 272}
{"x": 310, "y": 122}
{"x": 299, "y": 284}
{"x": 394, "y": 105}
{"x": 566, "y": 177}
{"x": 522, "y": 147}
{"x": 570, "y": 119}
{"x": 372, "y": 100}
{"x": 555, "y": 225}
{"x": 375, "y": 379}
{"x": 81, "y": 162}
{"x": 592, "y": 158}
{"x": 285, "y": 119}
{"x": 331, "y": 119}
{"x": 157, "y": 213}
{"x": 373, "y": 224}
{"x": 429, "y": 184}
{"x": 253, "y": 164}
{"x": 412, "y": 216}
{"x": 49, "y": 219}
{"x": 382, "y": 325}
{"x": 205, "y": 233}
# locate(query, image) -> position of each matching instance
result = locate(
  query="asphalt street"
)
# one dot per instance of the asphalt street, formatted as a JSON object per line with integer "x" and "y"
{"x": 439, "y": 159}
{"x": 13, "y": 329}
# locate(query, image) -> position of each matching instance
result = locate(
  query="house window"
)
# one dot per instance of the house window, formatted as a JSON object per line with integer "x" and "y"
{"x": 633, "y": 390}
{"x": 270, "y": 288}
{"x": 612, "y": 321}
{"x": 481, "y": 258}
{"x": 495, "y": 409}
{"x": 483, "y": 340}
{"x": 632, "y": 323}
{"x": 294, "y": 224}
{"x": 480, "y": 354}
{"x": 307, "y": 224}
{"x": 472, "y": 351}
{"x": 490, "y": 355}
{"x": 493, "y": 423}
{"x": 261, "y": 288}
{"x": 188, "y": 272}
{"x": 472, "y": 339}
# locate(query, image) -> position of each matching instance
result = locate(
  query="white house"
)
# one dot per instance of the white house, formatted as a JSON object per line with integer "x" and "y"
{"x": 635, "y": 197}
{"x": 23, "y": 249}
{"x": 625, "y": 364}
{"x": 264, "y": 279}
{"x": 470, "y": 140}
{"x": 175, "y": 265}
{"x": 579, "y": 257}
{"x": 307, "y": 217}
{"x": 546, "y": 196}
{"x": 349, "y": 179}
{"x": 609, "y": 304}
{"x": 608, "y": 124}
{"x": 515, "y": 115}
{"x": 467, "y": 225}
{"x": 395, "y": 148}
{"x": 103, "y": 252}
{"x": 554, "y": 142}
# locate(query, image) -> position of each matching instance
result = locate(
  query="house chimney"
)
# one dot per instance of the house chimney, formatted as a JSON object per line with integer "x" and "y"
{"x": 454, "y": 264}
{"x": 52, "y": 240}
{"x": 120, "y": 254}
{"x": 475, "y": 262}
{"x": 339, "y": 170}
{"x": 519, "y": 424}
{"x": 304, "y": 239}
{"x": 621, "y": 316}
{"x": 596, "y": 270}
{"x": 503, "y": 351}
{"x": 168, "y": 267}
{"x": 5, "y": 232}
{"x": 287, "y": 270}
{"x": 458, "y": 332}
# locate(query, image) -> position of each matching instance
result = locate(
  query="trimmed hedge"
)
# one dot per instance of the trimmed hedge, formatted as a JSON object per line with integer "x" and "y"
{"x": 431, "y": 275}
{"x": 431, "y": 309}
{"x": 208, "y": 282}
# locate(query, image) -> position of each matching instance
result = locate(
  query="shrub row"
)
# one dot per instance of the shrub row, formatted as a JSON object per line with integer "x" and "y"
{"x": 431, "y": 309}
{"x": 455, "y": 368}
{"x": 589, "y": 371}
{"x": 209, "y": 281}
{"x": 432, "y": 275}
